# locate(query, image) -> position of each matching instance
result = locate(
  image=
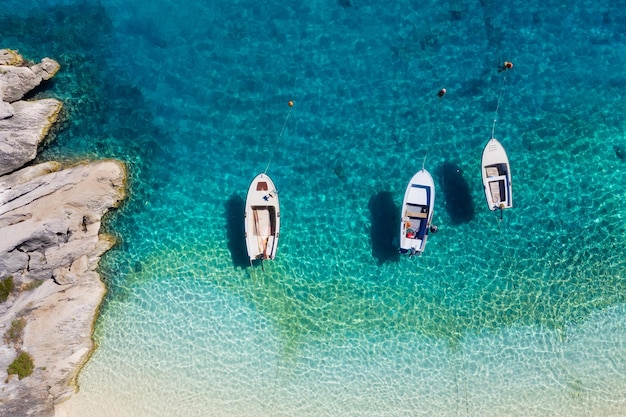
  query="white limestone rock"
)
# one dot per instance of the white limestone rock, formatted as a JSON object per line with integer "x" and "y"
{"x": 55, "y": 240}
{"x": 17, "y": 79}
{"x": 24, "y": 175}
{"x": 47, "y": 68}
{"x": 49, "y": 235}
{"x": 58, "y": 213}
{"x": 6, "y": 110}
{"x": 21, "y": 134}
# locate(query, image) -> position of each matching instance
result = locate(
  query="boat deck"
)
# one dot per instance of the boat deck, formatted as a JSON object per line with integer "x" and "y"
{"x": 262, "y": 221}
{"x": 497, "y": 182}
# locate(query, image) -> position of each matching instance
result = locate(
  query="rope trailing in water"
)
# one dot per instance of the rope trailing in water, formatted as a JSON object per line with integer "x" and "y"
{"x": 436, "y": 130}
{"x": 279, "y": 136}
{"x": 506, "y": 66}
{"x": 440, "y": 94}
{"x": 495, "y": 118}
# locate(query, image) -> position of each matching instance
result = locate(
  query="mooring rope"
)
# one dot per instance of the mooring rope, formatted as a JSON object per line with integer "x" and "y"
{"x": 440, "y": 95}
{"x": 279, "y": 136}
{"x": 495, "y": 118}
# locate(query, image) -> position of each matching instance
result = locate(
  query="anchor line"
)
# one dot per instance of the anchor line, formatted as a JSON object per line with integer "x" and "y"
{"x": 282, "y": 130}
{"x": 493, "y": 127}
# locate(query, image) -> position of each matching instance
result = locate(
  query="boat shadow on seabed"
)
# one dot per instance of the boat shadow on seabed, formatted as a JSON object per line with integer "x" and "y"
{"x": 456, "y": 190}
{"x": 385, "y": 220}
{"x": 235, "y": 231}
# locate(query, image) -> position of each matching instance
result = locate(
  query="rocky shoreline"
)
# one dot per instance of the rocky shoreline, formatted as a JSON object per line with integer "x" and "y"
{"x": 50, "y": 246}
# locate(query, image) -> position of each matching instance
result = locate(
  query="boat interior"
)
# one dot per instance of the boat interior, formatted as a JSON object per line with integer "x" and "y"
{"x": 264, "y": 220}
{"x": 495, "y": 170}
{"x": 416, "y": 216}
{"x": 496, "y": 175}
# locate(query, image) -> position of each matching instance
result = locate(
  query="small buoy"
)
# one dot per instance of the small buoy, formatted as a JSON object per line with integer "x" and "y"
{"x": 441, "y": 93}
{"x": 290, "y": 104}
{"x": 506, "y": 65}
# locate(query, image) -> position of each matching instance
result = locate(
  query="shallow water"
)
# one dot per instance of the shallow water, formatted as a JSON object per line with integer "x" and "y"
{"x": 523, "y": 316}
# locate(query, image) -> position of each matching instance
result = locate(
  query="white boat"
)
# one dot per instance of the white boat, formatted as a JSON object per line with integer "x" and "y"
{"x": 262, "y": 222}
{"x": 496, "y": 174}
{"x": 417, "y": 213}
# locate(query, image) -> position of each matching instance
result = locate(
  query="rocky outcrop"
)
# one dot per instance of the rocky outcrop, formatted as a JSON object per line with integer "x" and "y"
{"x": 23, "y": 124}
{"x": 51, "y": 217}
{"x": 50, "y": 246}
{"x": 21, "y": 134}
{"x": 17, "y": 77}
{"x": 6, "y": 110}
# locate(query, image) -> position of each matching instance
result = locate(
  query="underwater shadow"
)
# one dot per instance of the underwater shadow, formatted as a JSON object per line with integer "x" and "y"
{"x": 459, "y": 203}
{"x": 385, "y": 219}
{"x": 235, "y": 231}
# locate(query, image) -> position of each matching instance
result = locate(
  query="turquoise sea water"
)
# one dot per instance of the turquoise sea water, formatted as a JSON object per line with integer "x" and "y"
{"x": 524, "y": 316}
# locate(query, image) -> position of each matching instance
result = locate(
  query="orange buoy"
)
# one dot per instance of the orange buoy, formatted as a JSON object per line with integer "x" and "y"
{"x": 290, "y": 104}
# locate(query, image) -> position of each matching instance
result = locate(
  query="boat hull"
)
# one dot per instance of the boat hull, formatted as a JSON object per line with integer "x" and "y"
{"x": 417, "y": 213}
{"x": 262, "y": 219}
{"x": 496, "y": 174}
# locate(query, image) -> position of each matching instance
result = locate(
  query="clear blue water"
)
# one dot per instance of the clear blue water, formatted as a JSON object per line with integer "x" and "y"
{"x": 523, "y": 316}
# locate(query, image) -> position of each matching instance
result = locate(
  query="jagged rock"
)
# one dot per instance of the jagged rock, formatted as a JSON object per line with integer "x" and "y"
{"x": 11, "y": 57}
{"x": 49, "y": 235}
{"x": 56, "y": 240}
{"x": 58, "y": 213}
{"x": 6, "y": 110}
{"x": 24, "y": 175}
{"x": 13, "y": 261}
{"x": 46, "y": 69}
{"x": 17, "y": 79}
{"x": 21, "y": 134}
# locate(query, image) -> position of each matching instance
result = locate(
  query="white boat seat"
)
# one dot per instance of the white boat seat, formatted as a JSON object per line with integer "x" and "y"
{"x": 494, "y": 188}
{"x": 492, "y": 172}
{"x": 417, "y": 214}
